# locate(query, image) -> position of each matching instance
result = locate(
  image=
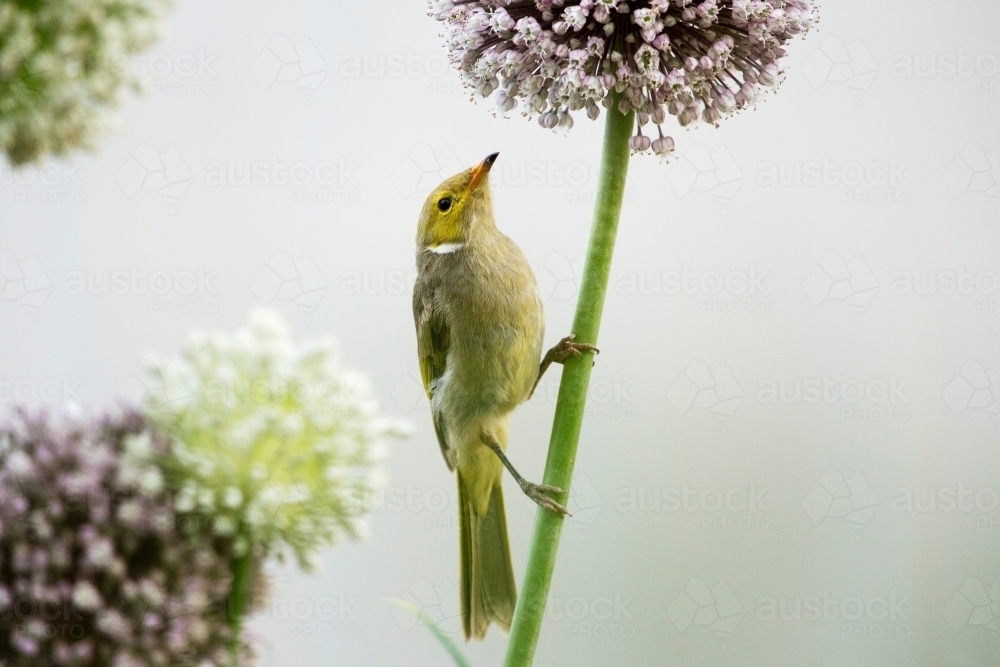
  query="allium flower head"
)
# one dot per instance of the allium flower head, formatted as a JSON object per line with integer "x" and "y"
{"x": 62, "y": 62}
{"x": 273, "y": 441}
{"x": 693, "y": 60}
{"x": 95, "y": 566}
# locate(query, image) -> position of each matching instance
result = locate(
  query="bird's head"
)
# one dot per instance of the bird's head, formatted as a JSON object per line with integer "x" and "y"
{"x": 457, "y": 209}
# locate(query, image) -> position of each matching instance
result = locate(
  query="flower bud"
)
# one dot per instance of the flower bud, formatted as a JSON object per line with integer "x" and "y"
{"x": 639, "y": 143}
{"x": 769, "y": 76}
{"x": 725, "y": 101}
{"x": 548, "y": 120}
{"x": 663, "y": 146}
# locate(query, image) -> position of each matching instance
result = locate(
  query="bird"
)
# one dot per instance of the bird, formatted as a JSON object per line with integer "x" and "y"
{"x": 480, "y": 327}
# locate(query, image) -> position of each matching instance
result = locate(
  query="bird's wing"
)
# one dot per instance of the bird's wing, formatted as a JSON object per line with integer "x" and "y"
{"x": 433, "y": 339}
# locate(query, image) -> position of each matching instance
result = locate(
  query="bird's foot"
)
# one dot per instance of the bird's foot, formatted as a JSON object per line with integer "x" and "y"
{"x": 537, "y": 493}
{"x": 566, "y": 348}
{"x": 562, "y": 351}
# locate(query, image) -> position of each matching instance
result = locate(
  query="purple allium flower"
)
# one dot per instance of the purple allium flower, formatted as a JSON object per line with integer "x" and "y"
{"x": 96, "y": 568}
{"x": 694, "y": 60}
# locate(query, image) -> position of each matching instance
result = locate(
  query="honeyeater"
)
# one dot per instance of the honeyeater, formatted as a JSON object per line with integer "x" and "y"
{"x": 479, "y": 338}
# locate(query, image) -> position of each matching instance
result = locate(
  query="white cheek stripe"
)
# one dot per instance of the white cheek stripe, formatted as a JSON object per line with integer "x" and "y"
{"x": 445, "y": 248}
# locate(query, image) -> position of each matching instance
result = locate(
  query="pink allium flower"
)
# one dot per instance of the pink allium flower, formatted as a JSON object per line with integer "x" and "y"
{"x": 693, "y": 60}
{"x": 96, "y": 568}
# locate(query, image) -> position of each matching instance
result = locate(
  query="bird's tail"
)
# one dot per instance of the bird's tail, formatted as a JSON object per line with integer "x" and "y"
{"x": 488, "y": 593}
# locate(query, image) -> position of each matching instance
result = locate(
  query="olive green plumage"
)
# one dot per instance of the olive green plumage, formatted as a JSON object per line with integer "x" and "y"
{"x": 479, "y": 334}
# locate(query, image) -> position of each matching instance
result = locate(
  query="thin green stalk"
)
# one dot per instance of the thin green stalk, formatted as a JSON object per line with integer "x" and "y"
{"x": 573, "y": 389}
{"x": 237, "y": 603}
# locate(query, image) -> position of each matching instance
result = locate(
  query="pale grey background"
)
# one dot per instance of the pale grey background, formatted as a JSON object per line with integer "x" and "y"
{"x": 900, "y": 100}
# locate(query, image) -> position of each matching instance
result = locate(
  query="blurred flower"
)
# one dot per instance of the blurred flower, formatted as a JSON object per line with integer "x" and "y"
{"x": 272, "y": 440}
{"x": 694, "y": 60}
{"x": 62, "y": 62}
{"x": 95, "y": 566}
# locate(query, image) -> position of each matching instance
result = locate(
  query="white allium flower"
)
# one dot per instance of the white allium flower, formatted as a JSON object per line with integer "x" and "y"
{"x": 694, "y": 60}
{"x": 274, "y": 441}
{"x": 63, "y": 63}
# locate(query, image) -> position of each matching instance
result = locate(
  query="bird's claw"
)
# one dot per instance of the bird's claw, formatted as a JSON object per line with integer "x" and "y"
{"x": 537, "y": 493}
{"x": 566, "y": 348}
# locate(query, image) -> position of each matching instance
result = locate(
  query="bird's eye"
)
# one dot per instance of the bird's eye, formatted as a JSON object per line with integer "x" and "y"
{"x": 444, "y": 204}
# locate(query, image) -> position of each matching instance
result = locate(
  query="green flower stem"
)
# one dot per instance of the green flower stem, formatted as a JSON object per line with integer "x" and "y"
{"x": 237, "y": 603}
{"x": 573, "y": 389}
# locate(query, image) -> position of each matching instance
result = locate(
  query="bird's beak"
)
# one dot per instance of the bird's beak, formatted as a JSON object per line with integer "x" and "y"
{"x": 481, "y": 170}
